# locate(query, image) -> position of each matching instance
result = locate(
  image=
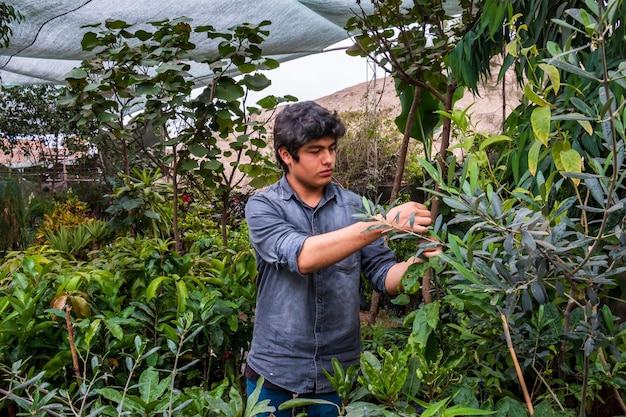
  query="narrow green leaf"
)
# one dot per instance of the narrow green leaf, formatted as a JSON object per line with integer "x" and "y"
{"x": 462, "y": 269}
{"x": 539, "y": 292}
{"x": 553, "y": 75}
{"x": 93, "y": 328}
{"x": 153, "y": 287}
{"x": 586, "y": 125}
{"x": 182, "y": 295}
{"x": 596, "y": 190}
{"x": 533, "y": 157}
{"x": 534, "y": 97}
{"x": 493, "y": 140}
{"x": 565, "y": 66}
{"x": 303, "y": 402}
{"x": 432, "y": 171}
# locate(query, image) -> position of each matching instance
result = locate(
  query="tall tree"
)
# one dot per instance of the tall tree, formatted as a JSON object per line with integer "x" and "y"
{"x": 137, "y": 86}
{"x": 414, "y": 44}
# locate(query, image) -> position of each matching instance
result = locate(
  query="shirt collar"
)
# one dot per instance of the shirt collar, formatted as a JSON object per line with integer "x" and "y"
{"x": 330, "y": 191}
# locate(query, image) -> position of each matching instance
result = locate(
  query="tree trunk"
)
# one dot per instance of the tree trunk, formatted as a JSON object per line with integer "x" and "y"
{"x": 175, "y": 214}
{"x": 224, "y": 216}
{"x": 441, "y": 160}
{"x": 397, "y": 182}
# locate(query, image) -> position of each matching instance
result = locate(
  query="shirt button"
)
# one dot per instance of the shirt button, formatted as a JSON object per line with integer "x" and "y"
{"x": 319, "y": 299}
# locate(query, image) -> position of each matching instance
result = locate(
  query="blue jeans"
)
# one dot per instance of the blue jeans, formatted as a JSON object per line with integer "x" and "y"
{"x": 277, "y": 397}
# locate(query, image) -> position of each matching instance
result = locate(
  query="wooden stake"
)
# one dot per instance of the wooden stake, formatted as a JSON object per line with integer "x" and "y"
{"x": 509, "y": 343}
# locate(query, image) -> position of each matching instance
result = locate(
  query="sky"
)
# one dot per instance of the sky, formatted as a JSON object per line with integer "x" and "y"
{"x": 319, "y": 75}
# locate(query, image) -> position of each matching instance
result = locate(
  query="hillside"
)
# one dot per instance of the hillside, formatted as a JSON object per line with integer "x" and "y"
{"x": 486, "y": 112}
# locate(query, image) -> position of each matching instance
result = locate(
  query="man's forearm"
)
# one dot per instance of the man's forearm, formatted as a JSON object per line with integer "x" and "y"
{"x": 322, "y": 251}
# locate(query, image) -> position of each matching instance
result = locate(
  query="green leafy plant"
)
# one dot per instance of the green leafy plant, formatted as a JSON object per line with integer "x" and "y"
{"x": 140, "y": 205}
{"x": 151, "y": 74}
{"x": 543, "y": 247}
{"x": 77, "y": 241}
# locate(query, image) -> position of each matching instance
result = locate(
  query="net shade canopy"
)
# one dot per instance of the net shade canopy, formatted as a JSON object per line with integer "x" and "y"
{"x": 46, "y": 44}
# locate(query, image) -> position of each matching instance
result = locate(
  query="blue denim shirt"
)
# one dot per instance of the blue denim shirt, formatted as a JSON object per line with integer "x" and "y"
{"x": 303, "y": 321}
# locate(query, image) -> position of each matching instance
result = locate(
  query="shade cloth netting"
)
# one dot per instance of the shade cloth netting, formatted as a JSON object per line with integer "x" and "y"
{"x": 46, "y": 45}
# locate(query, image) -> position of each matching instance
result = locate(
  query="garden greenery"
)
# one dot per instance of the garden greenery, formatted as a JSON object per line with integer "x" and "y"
{"x": 152, "y": 314}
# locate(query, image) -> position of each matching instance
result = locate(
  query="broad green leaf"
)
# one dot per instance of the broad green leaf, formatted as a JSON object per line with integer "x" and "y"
{"x": 188, "y": 164}
{"x": 147, "y": 88}
{"x": 455, "y": 204}
{"x": 114, "y": 328}
{"x": 150, "y": 387}
{"x": 143, "y": 35}
{"x": 212, "y": 164}
{"x": 256, "y": 82}
{"x": 557, "y": 148}
{"x": 540, "y": 121}
{"x": 198, "y": 150}
{"x": 268, "y": 102}
{"x": 111, "y": 394}
{"x": 421, "y": 329}
{"x": 116, "y": 24}
{"x": 258, "y": 182}
{"x": 151, "y": 214}
{"x": 91, "y": 87}
{"x": 60, "y": 360}
{"x": 539, "y": 292}
{"x": 584, "y": 107}
{"x": 106, "y": 117}
{"x": 228, "y": 90}
{"x": 511, "y": 49}
{"x": 528, "y": 240}
{"x": 170, "y": 66}
{"x": 572, "y": 162}
{"x": 432, "y": 314}
{"x": 89, "y": 42}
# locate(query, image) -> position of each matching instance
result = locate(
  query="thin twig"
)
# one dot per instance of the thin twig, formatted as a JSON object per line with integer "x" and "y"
{"x": 70, "y": 334}
{"x": 518, "y": 370}
{"x": 11, "y": 396}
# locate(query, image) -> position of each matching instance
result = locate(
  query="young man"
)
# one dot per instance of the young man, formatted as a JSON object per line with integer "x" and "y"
{"x": 310, "y": 253}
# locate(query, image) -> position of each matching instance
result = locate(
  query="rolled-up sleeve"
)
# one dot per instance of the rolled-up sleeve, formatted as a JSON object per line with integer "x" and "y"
{"x": 277, "y": 241}
{"x": 376, "y": 261}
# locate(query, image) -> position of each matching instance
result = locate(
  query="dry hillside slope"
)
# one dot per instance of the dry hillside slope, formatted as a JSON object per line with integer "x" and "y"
{"x": 487, "y": 110}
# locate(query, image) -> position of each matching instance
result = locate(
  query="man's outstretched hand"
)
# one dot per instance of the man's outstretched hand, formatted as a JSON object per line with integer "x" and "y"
{"x": 411, "y": 217}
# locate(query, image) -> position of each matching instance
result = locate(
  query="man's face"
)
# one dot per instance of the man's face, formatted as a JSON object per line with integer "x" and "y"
{"x": 316, "y": 164}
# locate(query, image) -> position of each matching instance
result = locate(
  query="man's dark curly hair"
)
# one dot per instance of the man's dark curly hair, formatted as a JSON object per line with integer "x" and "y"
{"x": 303, "y": 122}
